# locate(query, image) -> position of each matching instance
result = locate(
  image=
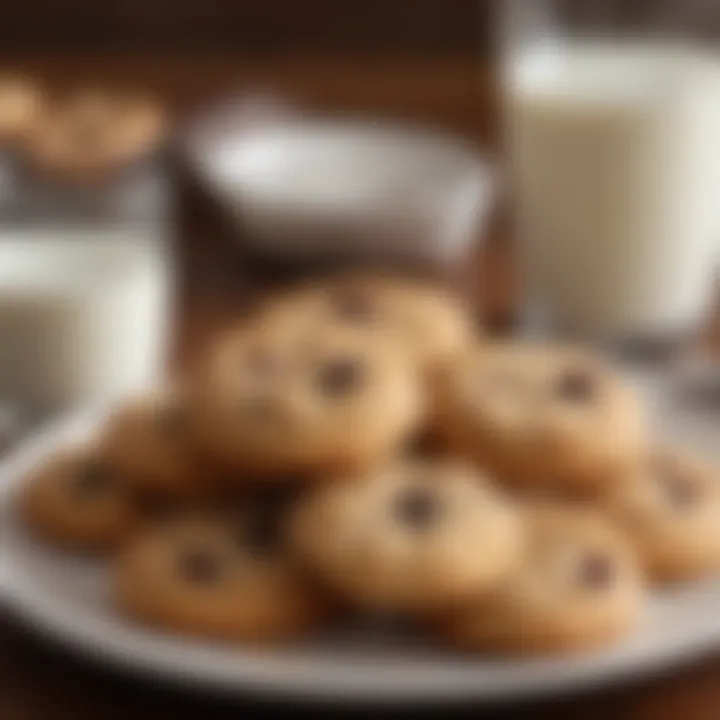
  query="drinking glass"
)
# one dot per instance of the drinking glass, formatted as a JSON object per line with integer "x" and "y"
{"x": 612, "y": 125}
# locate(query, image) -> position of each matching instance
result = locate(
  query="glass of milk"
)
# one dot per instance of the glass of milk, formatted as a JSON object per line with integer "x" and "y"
{"x": 612, "y": 121}
{"x": 83, "y": 317}
{"x": 86, "y": 291}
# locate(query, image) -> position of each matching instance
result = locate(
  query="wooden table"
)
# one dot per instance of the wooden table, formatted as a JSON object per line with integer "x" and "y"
{"x": 41, "y": 682}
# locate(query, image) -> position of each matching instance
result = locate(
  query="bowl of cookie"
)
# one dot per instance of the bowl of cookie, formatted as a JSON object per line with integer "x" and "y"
{"x": 86, "y": 154}
{"x": 356, "y": 496}
{"x": 85, "y": 136}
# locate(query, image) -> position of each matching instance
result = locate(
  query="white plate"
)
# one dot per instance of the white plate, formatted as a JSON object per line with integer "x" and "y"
{"x": 70, "y": 600}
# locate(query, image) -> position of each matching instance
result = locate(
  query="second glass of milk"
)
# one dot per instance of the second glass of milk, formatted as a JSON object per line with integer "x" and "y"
{"x": 84, "y": 318}
{"x": 614, "y": 152}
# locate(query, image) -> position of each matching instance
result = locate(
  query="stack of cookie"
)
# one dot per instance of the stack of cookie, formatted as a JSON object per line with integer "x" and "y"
{"x": 353, "y": 446}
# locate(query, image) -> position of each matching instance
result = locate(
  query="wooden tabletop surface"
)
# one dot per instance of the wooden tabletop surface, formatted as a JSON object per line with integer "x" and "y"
{"x": 38, "y": 681}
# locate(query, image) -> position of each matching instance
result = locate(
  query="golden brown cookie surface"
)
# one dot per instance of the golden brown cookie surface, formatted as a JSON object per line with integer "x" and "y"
{"x": 415, "y": 536}
{"x": 77, "y": 499}
{"x": 424, "y": 317}
{"x": 219, "y": 578}
{"x": 274, "y": 403}
{"x": 148, "y": 439}
{"x": 21, "y": 101}
{"x": 539, "y": 417}
{"x": 92, "y": 135}
{"x": 579, "y": 587}
{"x": 669, "y": 505}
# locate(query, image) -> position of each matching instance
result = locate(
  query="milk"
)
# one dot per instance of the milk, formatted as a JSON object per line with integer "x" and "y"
{"x": 615, "y": 157}
{"x": 82, "y": 319}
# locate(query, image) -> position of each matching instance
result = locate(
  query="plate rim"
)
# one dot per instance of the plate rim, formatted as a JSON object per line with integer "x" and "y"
{"x": 139, "y": 651}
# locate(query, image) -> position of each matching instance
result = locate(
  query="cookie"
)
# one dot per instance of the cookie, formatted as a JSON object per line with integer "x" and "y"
{"x": 670, "y": 508}
{"x": 540, "y": 418}
{"x": 20, "y": 103}
{"x": 428, "y": 320}
{"x": 75, "y": 498}
{"x": 91, "y": 136}
{"x": 213, "y": 577}
{"x": 148, "y": 440}
{"x": 579, "y": 588}
{"x": 414, "y": 537}
{"x": 272, "y": 404}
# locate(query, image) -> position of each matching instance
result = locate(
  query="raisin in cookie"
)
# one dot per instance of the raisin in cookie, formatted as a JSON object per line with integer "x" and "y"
{"x": 414, "y": 537}
{"x": 579, "y": 587}
{"x": 540, "y": 418}
{"x": 76, "y": 498}
{"x": 670, "y": 508}
{"x": 214, "y": 577}
{"x": 269, "y": 403}
{"x": 425, "y": 318}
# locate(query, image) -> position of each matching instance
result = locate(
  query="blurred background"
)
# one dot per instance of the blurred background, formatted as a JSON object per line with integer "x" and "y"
{"x": 429, "y": 61}
{"x": 219, "y": 43}
{"x": 417, "y": 60}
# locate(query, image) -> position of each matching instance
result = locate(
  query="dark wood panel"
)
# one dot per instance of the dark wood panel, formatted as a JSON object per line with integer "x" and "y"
{"x": 360, "y": 26}
{"x": 268, "y": 25}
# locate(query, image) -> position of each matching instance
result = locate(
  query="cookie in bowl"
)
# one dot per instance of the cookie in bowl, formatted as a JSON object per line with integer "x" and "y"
{"x": 541, "y": 418}
{"x": 75, "y": 498}
{"x": 579, "y": 587}
{"x": 231, "y": 579}
{"x": 416, "y": 537}
{"x": 269, "y": 403}
{"x": 669, "y": 506}
{"x": 91, "y": 136}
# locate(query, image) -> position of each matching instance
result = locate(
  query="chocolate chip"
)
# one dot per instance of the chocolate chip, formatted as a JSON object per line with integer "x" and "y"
{"x": 340, "y": 376}
{"x": 354, "y": 305}
{"x": 154, "y": 507}
{"x": 92, "y": 480}
{"x": 280, "y": 496}
{"x": 422, "y": 445}
{"x": 596, "y": 571}
{"x": 576, "y": 384}
{"x": 200, "y": 565}
{"x": 263, "y": 534}
{"x": 417, "y": 508}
